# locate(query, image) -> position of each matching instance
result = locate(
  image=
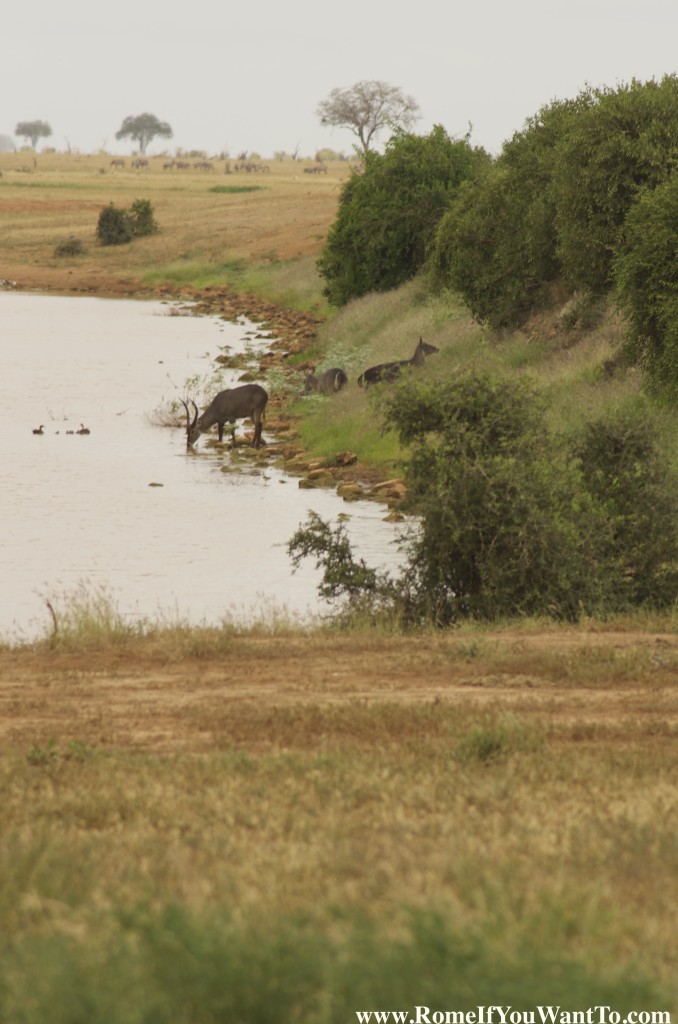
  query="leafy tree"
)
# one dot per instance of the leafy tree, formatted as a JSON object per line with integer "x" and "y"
{"x": 624, "y": 142}
{"x": 497, "y": 244}
{"x": 646, "y": 273}
{"x": 388, "y": 214}
{"x": 33, "y": 130}
{"x": 368, "y": 107}
{"x": 554, "y": 206}
{"x": 143, "y": 129}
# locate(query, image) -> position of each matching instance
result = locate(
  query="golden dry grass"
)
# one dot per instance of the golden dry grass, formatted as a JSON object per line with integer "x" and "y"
{"x": 522, "y": 783}
{"x": 52, "y": 196}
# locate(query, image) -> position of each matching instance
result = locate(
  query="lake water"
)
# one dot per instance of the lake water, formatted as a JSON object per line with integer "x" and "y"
{"x": 83, "y": 511}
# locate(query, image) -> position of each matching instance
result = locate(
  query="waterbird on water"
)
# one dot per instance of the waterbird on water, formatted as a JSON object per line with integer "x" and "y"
{"x": 83, "y": 429}
{"x": 38, "y": 430}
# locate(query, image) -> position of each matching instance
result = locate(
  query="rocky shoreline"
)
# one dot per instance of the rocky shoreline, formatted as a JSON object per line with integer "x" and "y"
{"x": 293, "y": 333}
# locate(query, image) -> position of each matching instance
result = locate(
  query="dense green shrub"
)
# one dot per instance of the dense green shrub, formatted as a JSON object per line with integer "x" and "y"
{"x": 512, "y": 521}
{"x": 143, "y": 218}
{"x": 628, "y": 476}
{"x": 497, "y": 244}
{"x": 114, "y": 226}
{"x": 555, "y": 203}
{"x": 388, "y": 214}
{"x": 646, "y": 272}
{"x": 117, "y": 227}
{"x": 505, "y": 529}
{"x": 624, "y": 142}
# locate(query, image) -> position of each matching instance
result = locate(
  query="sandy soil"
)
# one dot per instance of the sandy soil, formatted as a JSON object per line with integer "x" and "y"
{"x": 146, "y": 696}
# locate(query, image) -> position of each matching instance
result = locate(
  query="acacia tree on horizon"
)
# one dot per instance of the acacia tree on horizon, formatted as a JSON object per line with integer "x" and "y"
{"x": 366, "y": 108}
{"x": 33, "y": 130}
{"x": 143, "y": 128}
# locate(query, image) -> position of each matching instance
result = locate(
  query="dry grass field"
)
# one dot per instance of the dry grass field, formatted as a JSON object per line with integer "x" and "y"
{"x": 286, "y": 825}
{"x": 207, "y": 219}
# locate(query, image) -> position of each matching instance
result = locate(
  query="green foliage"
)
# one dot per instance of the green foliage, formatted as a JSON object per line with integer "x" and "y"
{"x": 512, "y": 522}
{"x": 142, "y": 218}
{"x": 626, "y": 473}
{"x": 554, "y": 204}
{"x": 646, "y": 272}
{"x": 114, "y": 226}
{"x": 388, "y": 214}
{"x": 143, "y": 128}
{"x": 624, "y": 142}
{"x": 342, "y": 576}
{"x": 173, "y": 966}
{"x": 33, "y": 130}
{"x": 504, "y": 530}
{"x": 117, "y": 227}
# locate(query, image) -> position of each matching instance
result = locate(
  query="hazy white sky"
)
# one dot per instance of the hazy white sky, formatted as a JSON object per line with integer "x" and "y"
{"x": 248, "y": 75}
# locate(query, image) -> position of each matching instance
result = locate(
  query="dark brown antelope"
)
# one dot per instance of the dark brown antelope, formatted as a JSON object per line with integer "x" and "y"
{"x": 391, "y": 371}
{"x": 249, "y": 400}
{"x": 327, "y": 383}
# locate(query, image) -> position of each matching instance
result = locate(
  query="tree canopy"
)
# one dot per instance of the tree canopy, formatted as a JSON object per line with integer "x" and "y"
{"x": 368, "y": 107}
{"x": 33, "y": 130}
{"x": 143, "y": 129}
{"x": 388, "y": 214}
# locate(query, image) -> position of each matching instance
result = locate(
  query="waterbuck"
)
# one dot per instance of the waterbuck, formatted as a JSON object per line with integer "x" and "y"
{"x": 327, "y": 383}
{"x": 391, "y": 371}
{"x": 229, "y": 406}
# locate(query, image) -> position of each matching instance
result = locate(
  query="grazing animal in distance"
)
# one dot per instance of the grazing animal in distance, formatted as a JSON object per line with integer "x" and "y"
{"x": 391, "y": 371}
{"x": 39, "y": 430}
{"x": 249, "y": 400}
{"x": 327, "y": 382}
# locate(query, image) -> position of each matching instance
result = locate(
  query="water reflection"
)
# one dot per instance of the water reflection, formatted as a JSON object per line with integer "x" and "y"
{"x": 124, "y": 506}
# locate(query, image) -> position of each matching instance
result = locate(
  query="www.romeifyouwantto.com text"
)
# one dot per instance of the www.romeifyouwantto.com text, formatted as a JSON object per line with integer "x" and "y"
{"x": 508, "y": 1015}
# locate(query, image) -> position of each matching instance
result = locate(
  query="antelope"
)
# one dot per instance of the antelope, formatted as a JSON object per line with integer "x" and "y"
{"x": 327, "y": 383}
{"x": 230, "y": 405}
{"x": 391, "y": 371}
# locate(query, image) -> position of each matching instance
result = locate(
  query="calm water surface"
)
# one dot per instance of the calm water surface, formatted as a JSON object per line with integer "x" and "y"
{"x": 80, "y": 510}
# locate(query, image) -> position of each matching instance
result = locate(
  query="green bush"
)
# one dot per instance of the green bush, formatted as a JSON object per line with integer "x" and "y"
{"x": 512, "y": 521}
{"x": 118, "y": 227}
{"x": 554, "y": 206}
{"x": 496, "y": 246}
{"x": 142, "y": 218}
{"x": 114, "y": 226}
{"x": 621, "y": 144}
{"x": 388, "y": 214}
{"x": 629, "y": 477}
{"x": 505, "y": 530}
{"x": 646, "y": 272}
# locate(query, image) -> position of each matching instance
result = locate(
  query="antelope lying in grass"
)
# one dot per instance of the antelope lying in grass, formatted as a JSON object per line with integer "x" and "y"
{"x": 249, "y": 400}
{"x": 391, "y": 371}
{"x": 327, "y": 383}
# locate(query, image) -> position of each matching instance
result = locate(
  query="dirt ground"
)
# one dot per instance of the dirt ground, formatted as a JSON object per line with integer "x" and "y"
{"x": 150, "y": 696}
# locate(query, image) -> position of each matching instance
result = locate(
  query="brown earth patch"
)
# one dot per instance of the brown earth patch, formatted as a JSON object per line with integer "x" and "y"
{"x": 147, "y": 695}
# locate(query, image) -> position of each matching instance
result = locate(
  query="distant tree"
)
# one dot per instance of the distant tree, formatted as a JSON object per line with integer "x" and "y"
{"x": 143, "y": 129}
{"x": 366, "y": 108}
{"x": 32, "y": 131}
